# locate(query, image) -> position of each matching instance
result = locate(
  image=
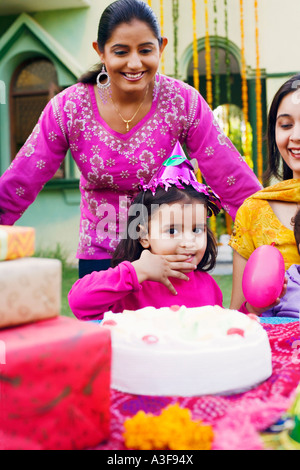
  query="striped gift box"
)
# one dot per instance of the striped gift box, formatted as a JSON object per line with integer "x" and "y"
{"x": 16, "y": 242}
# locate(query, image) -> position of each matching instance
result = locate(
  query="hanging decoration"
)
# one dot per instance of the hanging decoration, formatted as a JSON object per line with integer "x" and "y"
{"x": 247, "y": 150}
{"x": 258, "y": 90}
{"x": 162, "y": 33}
{"x": 195, "y": 64}
{"x": 209, "y": 95}
{"x": 217, "y": 62}
{"x": 228, "y": 219}
{"x": 175, "y": 13}
{"x": 195, "y": 49}
{"x": 227, "y": 58}
{"x": 227, "y": 68}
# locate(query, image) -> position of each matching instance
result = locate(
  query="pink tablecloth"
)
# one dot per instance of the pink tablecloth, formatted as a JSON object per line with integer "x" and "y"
{"x": 236, "y": 419}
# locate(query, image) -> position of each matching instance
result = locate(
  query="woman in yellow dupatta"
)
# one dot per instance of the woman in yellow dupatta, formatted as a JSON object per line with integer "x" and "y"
{"x": 267, "y": 216}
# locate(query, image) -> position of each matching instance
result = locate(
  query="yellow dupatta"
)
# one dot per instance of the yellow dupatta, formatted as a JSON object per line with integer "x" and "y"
{"x": 288, "y": 191}
{"x": 256, "y": 224}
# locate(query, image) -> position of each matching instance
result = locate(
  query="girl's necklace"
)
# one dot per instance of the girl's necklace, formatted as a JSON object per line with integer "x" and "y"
{"x": 128, "y": 121}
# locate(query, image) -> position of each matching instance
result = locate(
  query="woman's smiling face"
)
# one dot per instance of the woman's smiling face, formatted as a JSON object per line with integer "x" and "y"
{"x": 131, "y": 56}
{"x": 287, "y": 131}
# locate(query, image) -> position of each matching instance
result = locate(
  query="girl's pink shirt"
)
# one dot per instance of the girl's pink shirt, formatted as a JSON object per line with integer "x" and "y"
{"x": 118, "y": 289}
{"x": 112, "y": 165}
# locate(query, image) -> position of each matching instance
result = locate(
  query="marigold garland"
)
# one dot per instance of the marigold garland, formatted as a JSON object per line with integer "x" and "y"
{"x": 258, "y": 89}
{"x": 209, "y": 95}
{"x": 245, "y": 89}
{"x": 195, "y": 49}
{"x": 162, "y": 33}
{"x": 175, "y": 13}
{"x": 213, "y": 224}
{"x": 195, "y": 61}
{"x": 173, "y": 429}
{"x": 227, "y": 59}
{"x": 213, "y": 219}
{"x": 217, "y": 70}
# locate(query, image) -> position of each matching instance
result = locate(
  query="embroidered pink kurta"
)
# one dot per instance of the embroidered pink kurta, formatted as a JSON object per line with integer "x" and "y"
{"x": 112, "y": 164}
{"x": 118, "y": 289}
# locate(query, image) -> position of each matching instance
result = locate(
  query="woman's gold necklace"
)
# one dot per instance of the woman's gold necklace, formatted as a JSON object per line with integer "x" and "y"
{"x": 128, "y": 121}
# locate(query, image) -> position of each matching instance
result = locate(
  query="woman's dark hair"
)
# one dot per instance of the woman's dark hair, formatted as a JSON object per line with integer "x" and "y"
{"x": 130, "y": 248}
{"x": 296, "y": 223}
{"x": 274, "y": 158}
{"x": 121, "y": 11}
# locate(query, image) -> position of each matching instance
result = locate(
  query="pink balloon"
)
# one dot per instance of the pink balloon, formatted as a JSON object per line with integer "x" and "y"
{"x": 263, "y": 276}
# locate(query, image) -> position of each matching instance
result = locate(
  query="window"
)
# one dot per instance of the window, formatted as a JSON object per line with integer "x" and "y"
{"x": 33, "y": 84}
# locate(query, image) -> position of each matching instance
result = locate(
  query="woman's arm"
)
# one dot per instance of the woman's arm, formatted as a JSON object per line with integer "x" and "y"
{"x": 34, "y": 165}
{"x": 237, "y": 296}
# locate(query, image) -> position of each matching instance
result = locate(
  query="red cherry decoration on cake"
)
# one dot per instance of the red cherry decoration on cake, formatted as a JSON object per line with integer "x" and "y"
{"x": 175, "y": 308}
{"x": 236, "y": 331}
{"x": 150, "y": 339}
{"x": 109, "y": 323}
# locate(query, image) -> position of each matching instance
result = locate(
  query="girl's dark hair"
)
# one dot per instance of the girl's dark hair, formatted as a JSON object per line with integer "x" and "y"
{"x": 130, "y": 248}
{"x": 296, "y": 223}
{"x": 121, "y": 11}
{"x": 274, "y": 158}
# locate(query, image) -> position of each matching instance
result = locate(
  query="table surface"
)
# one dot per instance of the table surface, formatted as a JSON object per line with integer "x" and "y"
{"x": 238, "y": 420}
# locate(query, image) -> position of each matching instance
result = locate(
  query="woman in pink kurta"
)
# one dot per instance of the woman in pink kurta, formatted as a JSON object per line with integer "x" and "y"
{"x": 111, "y": 160}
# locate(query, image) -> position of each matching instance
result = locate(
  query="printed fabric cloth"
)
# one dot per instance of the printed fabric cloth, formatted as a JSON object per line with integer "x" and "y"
{"x": 237, "y": 420}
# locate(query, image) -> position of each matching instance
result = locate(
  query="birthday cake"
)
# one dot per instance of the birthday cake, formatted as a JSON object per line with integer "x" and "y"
{"x": 181, "y": 351}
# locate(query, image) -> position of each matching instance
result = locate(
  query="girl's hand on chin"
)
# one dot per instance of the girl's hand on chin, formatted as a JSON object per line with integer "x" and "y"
{"x": 180, "y": 263}
{"x": 159, "y": 268}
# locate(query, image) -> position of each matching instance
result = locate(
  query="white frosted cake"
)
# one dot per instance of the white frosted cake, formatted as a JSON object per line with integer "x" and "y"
{"x": 181, "y": 351}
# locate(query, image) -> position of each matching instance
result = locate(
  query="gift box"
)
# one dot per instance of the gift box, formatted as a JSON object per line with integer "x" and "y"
{"x": 30, "y": 290}
{"x": 16, "y": 242}
{"x": 55, "y": 384}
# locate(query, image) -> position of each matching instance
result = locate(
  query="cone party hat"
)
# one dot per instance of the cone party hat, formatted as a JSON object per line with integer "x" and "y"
{"x": 178, "y": 171}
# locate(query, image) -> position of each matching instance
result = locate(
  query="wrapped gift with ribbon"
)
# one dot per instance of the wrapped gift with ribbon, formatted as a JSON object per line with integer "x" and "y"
{"x": 16, "y": 242}
{"x": 55, "y": 385}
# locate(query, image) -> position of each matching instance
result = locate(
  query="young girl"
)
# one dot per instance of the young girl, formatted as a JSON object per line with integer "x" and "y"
{"x": 164, "y": 257}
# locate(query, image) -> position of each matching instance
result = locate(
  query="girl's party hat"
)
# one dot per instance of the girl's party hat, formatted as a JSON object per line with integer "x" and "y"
{"x": 178, "y": 170}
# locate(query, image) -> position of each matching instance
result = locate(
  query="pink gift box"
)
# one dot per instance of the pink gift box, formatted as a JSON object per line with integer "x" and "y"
{"x": 54, "y": 385}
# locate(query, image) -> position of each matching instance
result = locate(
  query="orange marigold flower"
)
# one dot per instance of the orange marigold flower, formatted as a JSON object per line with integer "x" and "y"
{"x": 173, "y": 429}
